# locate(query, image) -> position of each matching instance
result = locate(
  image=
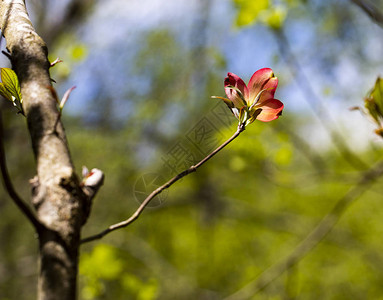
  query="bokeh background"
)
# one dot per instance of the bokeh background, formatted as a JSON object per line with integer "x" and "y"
{"x": 141, "y": 112}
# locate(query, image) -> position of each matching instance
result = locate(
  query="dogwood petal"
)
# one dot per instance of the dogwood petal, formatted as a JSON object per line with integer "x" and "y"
{"x": 262, "y": 79}
{"x": 233, "y": 80}
{"x": 271, "y": 109}
{"x": 269, "y": 91}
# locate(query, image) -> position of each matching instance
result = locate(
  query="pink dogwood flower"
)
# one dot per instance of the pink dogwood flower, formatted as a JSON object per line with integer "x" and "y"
{"x": 254, "y": 101}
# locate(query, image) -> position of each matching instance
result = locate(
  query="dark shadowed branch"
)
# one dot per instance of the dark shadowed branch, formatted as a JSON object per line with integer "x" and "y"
{"x": 25, "y": 209}
{"x": 313, "y": 238}
{"x": 371, "y": 10}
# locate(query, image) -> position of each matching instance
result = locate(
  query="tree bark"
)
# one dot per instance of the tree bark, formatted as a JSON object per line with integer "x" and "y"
{"x": 60, "y": 203}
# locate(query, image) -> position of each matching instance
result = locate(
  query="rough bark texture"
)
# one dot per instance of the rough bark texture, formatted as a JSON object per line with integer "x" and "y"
{"x": 56, "y": 194}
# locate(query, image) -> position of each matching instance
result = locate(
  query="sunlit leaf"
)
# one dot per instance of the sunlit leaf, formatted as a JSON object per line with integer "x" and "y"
{"x": 4, "y": 92}
{"x": 377, "y": 94}
{"x": 66, "y": 97}
{"x": 374, "y": 102}
{"x": 372, "y": 110}
{"x": 11, "y": 82}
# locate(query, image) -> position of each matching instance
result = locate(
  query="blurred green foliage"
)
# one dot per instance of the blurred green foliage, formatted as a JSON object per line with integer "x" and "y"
{"x": 104, "y": 264}
{"x": 269, "y": 12}
{"x": 221, "y": 227}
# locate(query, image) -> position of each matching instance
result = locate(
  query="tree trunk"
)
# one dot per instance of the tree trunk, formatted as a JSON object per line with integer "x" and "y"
{"x": 59, "y": 201}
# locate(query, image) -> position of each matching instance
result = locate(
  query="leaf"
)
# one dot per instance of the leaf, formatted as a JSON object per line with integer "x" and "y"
{"x": 377, "y": 94}
{"x": 11, "y": 83}
{"x": 66, "y": 97}
{"x": 374, "y": 101}
{"x": 4, "y": 92}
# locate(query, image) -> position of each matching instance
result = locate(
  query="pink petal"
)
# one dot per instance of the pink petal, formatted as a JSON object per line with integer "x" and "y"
{"x": 270, "y": 110}
{"x": 261, "y": 80}
{"x": 269, "y": 90}
{"x": 235, "y": 81}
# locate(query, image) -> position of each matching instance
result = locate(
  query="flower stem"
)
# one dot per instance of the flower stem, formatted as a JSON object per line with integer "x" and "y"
{"x": 140, "y": 209}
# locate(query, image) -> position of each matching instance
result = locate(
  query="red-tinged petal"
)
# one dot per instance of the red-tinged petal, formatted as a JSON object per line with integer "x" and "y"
{"x": 235, "y": 81}
{"x": 269, "y": 90}
{"x": 271, "y": 110}
{"x": 262, "y": 79}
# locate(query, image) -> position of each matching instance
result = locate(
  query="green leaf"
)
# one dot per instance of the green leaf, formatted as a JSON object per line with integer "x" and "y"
{"x": 374, "y": 102}
{"x": 11, "y": 83}
{"x": 371, "y": 107}
{"x": 4, "y": 92}
{"x": 377, "y": 94}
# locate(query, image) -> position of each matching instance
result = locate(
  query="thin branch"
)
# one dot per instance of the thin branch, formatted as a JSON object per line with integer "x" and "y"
{"x": 313, "y": 238}
{"x": 25, "y": 209}
{"x": 55, "y": 62}
{"x": 159, "y": 190}
{"x": 371, "y": 10}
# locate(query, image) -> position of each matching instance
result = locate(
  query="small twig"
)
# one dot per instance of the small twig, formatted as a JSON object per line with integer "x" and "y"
{"x": 140, "y": 209}
{"x": 55, "y": 62}
{"x": 9, "y": 186}
{"x": 7, "y": 55}
{"x": 312, "y": 239}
